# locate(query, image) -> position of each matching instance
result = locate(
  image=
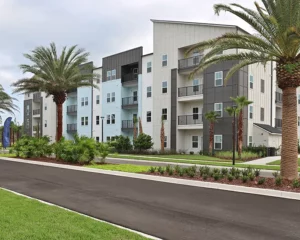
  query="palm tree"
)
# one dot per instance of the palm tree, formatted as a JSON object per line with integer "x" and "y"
{"x": 231, "y": 112}
{"x": 241, "y": 103}
{"x": 212, "y": 118}
{"x": 277, "y": 39}
{"x": 140, "y": 126}
{"x": 56, "y": 75}
{"x": 7, "y": 102}
{"x": 162, "y": 135}
{"x": 134, "y": 128}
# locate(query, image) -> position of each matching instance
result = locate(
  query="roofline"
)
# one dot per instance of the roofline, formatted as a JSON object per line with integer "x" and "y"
{"x": 148, "y": 54}
{"x": 267, "y": 130}
{"x": 97, "y": 68}
{"x": 200, "y": 24}
{"x": 123, "y": 52}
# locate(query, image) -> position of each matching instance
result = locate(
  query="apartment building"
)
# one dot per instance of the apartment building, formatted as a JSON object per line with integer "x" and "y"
{"x": 157, "y": 86}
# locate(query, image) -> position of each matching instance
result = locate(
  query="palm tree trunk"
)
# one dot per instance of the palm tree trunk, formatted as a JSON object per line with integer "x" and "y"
{"x": 59, "y": 109}
{"x": 289, "y": 152}
{"x": 140, "y": 126}
{"x": 211, "y": 137}
{"x": 240, "y": 134}
{"x": 162, "y": 136}
{"x": 134, "y": 131}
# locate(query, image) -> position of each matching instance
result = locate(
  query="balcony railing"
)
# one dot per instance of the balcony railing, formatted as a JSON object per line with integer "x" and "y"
{"x": 72, "y": 109}
{"x": 127, "y": 124}
{"x": 189, "y": 62}
{"x": 190, "y": 119}
{"x": 278, "y": 123}
{"x": 129, "y": 101}
{"x": 190, "y": 91}
{"x": 278, "y": 97}
{"x": 37, "y": 97}
{"x": 72, "y": 127}
{"x": 36, "y": 112}
{"x": 129, "y": 77}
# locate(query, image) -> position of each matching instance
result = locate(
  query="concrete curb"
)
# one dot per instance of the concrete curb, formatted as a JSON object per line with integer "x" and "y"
{"x": 54, "y": 205}
{"x": 210, "y": 185}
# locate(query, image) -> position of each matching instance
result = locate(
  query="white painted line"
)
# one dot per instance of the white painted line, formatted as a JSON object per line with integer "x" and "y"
{"x": 102, "y": 221}
{"x": 193, "y": 183}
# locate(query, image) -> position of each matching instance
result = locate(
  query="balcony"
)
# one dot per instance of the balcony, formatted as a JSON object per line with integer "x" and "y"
{"x": 127, "y": 124}
{"x": 37, "y": 97}
{"x": 72, "y": 128}
{"x": 130, "y": 80}
{"x": 278, "y": 123}
{"x": 130, "y": 102}
{"x": 188, "y": 63}
{"x": 186, "y": 122}
{"x": 36, "y": 112}
{"x": 278, "y": 98}
{"x": 72, "y": 110}
{"x": 192, "y": 93}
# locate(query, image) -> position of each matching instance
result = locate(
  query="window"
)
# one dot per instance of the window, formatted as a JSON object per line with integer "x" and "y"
{"x": 298, "y": 121}
{"x": 27, "y": 110}
{"x": 27, "y": 123}
{"x": 195, "y": 113}
{"x": 219, "y": 109}
{"x": 108, "y": 139}
{"x": 149, "y": 92}
{"x": 45, "y": 106}
{"x": 262, "y": 114}
{"x": 164, "y": 113}
{"x": 108, "y": 119}
{"x": 82, "y": 101}
{"x": 218, "y": 79}
{"x": 164, "y": 87}
{"x": 262, "y": 85}
{"x": 149, "y": 67}
{"x": 250, "y": 141}
{"x": 113, "y": 119}
{"x": 82, "y": 121}
{"x": 86, "y": 121}
{"x": 97, "y": 120}
{"x": 196, "y": 85}
{"x": 113, "y": 97}
{"x": 98, "y": 99}
{"x": 164, "y": 60}
{"x": 97, "y": 139}
{"x": 113, "y": 74}
{"x": 108, "y": 75}
{"x": 218, "y": 142}
{"x": 45, "y": 123}
{"x": 86, "y": 101}
{"x": 298, "y": 98}
{"x": 149, "y": 116}
{"x": 112, "y": 139}
{"x": 251, "y": 81}
{"x": 251, "y": 112}
{"x": 108, "y": 97}
{"x": 165, "y": 142}
{"x": 28, "y": 94}
{"x": 135, "y": 97}
{"x": 195, "y": 140}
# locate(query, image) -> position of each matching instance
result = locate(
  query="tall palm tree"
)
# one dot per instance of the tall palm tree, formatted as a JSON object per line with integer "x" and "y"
{"x": 241, "y": 103}
{"x": 140, "y": 126}
{"x": 7, "y": 102}
{"x": 231, "y": 111}
{"x": 134, "y": 128}
{"x": 56, "y": 75}
{"x": 212, "y": 117}
{"x": 162, "y": 135}
{"x": 277, "y": 39}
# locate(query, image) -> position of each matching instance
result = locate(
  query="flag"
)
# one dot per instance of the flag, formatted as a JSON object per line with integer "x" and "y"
{"x": 6, "y": 133}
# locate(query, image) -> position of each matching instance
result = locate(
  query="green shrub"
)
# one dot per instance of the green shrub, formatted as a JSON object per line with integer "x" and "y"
{"x": 232, "y": 171}
{"x": 177, "y": 168}
{"x": 161, "y": 170}
{"x": 246, "y": 155}
{"x": 207, "y": 170}
{"x": 168, "y": 167}
{"x": 201, "y": 171}
{"x": 191, "y": 153}
{"x": 278, "y": 181}
{"x": 245, "y": 178}
{"x": 261, "y": 181}
{"x": 216, "y": 176}
{"x": 224, "y": 171}
{"x": 194, "y": 168}
{"x": 296, "y": 183}
{"x": 152, "y": 169}
{"x": 216, "y": 170}
{"x": 143, "y": 142}
{"x": 257, "y": 172}
{"x": 251, "y": 176}
{"x": 181, "y": 172}
{"x": 230, "y": 178}
{"x": 121, "y": 144}
{"x": 275, "y": 174}
{"x": 204, "y": 176}
{"x": 171, "y": 171}
{"x": 260, "y": 151}
{"x": 191, "y": 173}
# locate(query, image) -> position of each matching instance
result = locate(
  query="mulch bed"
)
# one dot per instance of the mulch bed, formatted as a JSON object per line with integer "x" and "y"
{"x": 269, "y": 183}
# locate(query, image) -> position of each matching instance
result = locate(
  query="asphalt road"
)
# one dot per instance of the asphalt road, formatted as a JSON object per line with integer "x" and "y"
{"x": 168, "y": 211}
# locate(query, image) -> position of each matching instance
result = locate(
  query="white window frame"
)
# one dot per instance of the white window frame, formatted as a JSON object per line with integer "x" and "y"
{"x": 166, "y": 142}
{"x": 250, "y": 141}
{"x": 250, "y": 111}
{"x": 97, "y": 99}
{"x": 195, "y": 141}
{"x": 149, "y": 67}
{"x": 86, "y": 101}
{"x": 219, "y": 78}
{"x": 113, "y": 74}
{"x": 164, "y": 87}
{"x": 108, "y": 75}
{"x": 251, "y": 81}
{"x": 149, "y": 93}
{"x": 219, "y": 110}
{"x": 113, "y": 97}
{"x": 164, "y": 115}
{"x": 215, "y": 141}
{"x": 108, "y": 97}
{"x": 149, "y": 116}
{"x": 164, "y": 60}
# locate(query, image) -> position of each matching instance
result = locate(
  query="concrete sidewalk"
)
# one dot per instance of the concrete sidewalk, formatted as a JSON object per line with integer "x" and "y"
{"x": 264, "y": 161}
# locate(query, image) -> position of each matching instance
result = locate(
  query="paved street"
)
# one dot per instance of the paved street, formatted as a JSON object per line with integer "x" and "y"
{"x": 168, "y": 211}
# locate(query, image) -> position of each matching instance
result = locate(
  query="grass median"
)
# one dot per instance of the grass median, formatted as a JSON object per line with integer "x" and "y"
{"x": 121, "y": 167}
{"x": 278, "y": 162}
{"x": 23, "y": 218}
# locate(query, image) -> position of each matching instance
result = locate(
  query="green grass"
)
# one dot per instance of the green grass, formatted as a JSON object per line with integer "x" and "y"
{"x": 278, "y": 162}
{"x": 23, "y": 218}
{"x": 121, "y": 167}
{"x": 7, "y": 155}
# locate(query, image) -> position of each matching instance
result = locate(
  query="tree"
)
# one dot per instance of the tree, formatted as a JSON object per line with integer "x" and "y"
{"x": 56, "y": 75}
{"x": 241, "y": 102}
{"x": 162, "y": 136}
{"x": 140, "y": 126}
{"x": 143, "y": 142}
{"x": 231, "y": 111}
{"x": 134, "y": 128}
{"x": 277, "y": 39}
{"x": 7, "y": 102}
{"x": 121, "y": 144}
{"x": 212, "y": 118}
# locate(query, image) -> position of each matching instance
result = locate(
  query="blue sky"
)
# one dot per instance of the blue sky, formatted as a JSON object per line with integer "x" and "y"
{"x": 101, "y": 27}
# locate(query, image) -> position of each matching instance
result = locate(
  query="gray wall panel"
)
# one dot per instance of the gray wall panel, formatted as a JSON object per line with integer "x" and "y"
{"x": 28, "y": 131}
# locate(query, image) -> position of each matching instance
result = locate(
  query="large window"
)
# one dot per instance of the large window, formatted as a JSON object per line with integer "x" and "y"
{"x": 97, "y": 120}
{"x": 251, "y": 112}
{"x": 164, "y": 60}
{"x": 218, "y": 79}
{"x": 82, "y": 101}
{"x": 195, "y": 141}
{"x": 250, "y": 141}
{"x": 113, "y": 74}
{"x": 262, "y": 85}
{"x": 108, "y": 119}
{"x": 98, "y": 99}
{"x": 97, "y": 139}
{"x": 196, "y": 85}
{"x": 262, "y": 114}
{"x": 86, "y": 101}
{"x": 108, "y": 97}
{"x": 149, "y": 92}
{"x": 113, "y": 97}
{"x": 166, "y": 142}
{"x": 149, "y": 67}
{"x": 108, "y": 75}
{"x": 86, "y": 121}
{"x": 149, "y": 116}
{"x": 164, "y": 113}
{"x": 218, "y": 142}
{"x": 107, "y": 139}
{"x": 195, "y": 113}
{"x": 82, "y": 121}
{"x": 113, "y": 119}
{"x": 251, "y": 81}
{"x": 219, "y": 109}
{"x": 164, "y": 87}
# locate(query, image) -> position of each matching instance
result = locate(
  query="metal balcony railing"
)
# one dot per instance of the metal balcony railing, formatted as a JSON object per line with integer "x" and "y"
{"x": 129, "y": 101}
{"x": 72, "y": 127}
{"x": 190, "y": 91}
{"x": 127, "y": 124}
{"x": 71, "y": 109}
{"x": 278, "y": 123}
{"x": 190, "y": 119}
{"x": 36, "y": 111}
{"x": 278, "y": 97}
{"x": 189, "y": 62}
{"x": 129, "y": 77}
{"x": 37, "y": 97}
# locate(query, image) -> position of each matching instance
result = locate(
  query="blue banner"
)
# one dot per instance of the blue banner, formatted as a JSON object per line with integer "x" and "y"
{"x": 6, "y": 133}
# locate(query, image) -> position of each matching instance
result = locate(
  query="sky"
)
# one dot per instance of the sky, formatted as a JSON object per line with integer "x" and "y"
{"x": 100, "y": 27}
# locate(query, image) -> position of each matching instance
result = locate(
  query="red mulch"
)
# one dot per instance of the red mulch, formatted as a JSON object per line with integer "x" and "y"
{"x": 268, "y": 184}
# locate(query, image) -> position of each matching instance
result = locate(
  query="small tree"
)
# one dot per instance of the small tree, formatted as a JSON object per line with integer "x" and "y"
{"x": 162, "y": 136}
{"x": 212, "y": 118}
{"x": 122, "y": 144}
{"x": 143, "y": 142}
{"x": 140, "y": 126}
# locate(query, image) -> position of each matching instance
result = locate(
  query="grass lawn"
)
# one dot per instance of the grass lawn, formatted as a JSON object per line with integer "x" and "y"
{"x": 278, "y": 162}
{"x": 7, "y": 154}
{"x": 23, "y": 218}
{"x": 121, "y": 167}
